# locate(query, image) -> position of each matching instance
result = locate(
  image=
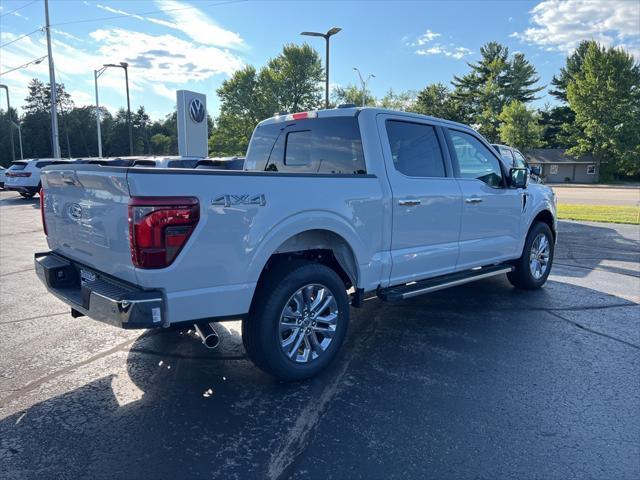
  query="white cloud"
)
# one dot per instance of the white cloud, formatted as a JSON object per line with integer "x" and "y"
{"x": 561, "y": 25}
{"x": 189, "y": 20}
{"x": 453, "y": 52}
{"x": 425, "y": 41}
{"x": 165, "y": 58}
{"x": 198, "y": 25}
{"x": 158, "y": 63}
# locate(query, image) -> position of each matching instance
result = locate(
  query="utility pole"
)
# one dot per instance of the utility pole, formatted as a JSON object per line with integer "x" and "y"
{"x": 55, "y": 144}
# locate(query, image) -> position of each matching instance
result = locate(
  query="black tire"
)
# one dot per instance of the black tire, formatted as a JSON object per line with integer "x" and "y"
{"x": 27, "y": 195}
{"x": 261, "y": 329}
{"x": 522, "y": 276}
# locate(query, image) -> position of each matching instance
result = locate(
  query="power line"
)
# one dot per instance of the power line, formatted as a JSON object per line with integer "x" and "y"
{"x": 153, "y": 12}
{"x": 19, "y": 8}
{"x": 39, "y": 29}
{"x": 35, "y": 60}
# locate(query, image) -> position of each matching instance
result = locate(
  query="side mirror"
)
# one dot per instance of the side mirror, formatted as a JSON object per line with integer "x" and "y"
{"x": 536, "y": 171}
{"x": 519, "y": 177}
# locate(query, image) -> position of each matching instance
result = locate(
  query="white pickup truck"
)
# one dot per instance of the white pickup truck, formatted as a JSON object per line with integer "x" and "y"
{"x": 332, "y": 206}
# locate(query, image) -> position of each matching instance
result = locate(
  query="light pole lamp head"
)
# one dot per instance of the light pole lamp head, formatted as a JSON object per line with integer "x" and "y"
{"x": 333, "y": 31}
{"x": 124, "y": 64}
{"x": 312, "y": 34}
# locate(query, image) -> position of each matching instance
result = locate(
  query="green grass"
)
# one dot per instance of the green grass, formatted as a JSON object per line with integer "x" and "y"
{"x": 600, "y": 213}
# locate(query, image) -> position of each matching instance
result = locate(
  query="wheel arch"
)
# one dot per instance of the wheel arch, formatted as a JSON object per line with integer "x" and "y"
{"x": 330, "y": 240}
{"x": 545, "y": 216}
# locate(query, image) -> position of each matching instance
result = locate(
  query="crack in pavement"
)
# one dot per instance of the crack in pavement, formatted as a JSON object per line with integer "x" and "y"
{"x": 17, "y": 271}
{"x": 34, "y": 318}
{"x": 599, "y": 269}
{"x": 295, "y": 443}
{"x": 590, "y": 330}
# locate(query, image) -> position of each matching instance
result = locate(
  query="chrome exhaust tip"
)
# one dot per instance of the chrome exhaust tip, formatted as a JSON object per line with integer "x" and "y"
{"x": 208, "y": 335}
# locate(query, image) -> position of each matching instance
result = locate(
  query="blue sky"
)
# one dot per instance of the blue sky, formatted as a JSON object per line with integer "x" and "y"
{"x": 195, "y": 45}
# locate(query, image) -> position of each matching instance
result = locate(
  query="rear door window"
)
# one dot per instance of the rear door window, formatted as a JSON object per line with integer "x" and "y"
{"x": 415, "y": 149}
{"x": 322, "y": 145}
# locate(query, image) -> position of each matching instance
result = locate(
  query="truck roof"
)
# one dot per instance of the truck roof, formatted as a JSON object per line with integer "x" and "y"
{"x": 355, "y": 111}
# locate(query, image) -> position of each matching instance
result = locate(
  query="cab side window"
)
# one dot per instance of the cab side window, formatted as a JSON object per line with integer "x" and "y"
{"x": 415, "y": 149}
{"x": 475, "y": 160}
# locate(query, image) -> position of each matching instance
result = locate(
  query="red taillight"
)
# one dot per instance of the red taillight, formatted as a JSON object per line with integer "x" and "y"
{"x": 159, "y": 227}
{"x": 18, "y": 174}
{"x": 44, "y": 224}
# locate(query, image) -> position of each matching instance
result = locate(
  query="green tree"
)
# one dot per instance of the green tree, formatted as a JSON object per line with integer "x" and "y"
{"x": 160, "y": 144}
{"x": 553, "y": 121}
{"x": 519, "y": 126}
{"x": 5, "y": 137}
{"x": 573, "y": 65}
{"x": 494, "y": 81}
{"x": 402, "y": 101}
{"x": 436, "y": 100}
{"x": 605, "y": 96}
{"x": 352, "y": 94}
{"x": 289, "y": 82}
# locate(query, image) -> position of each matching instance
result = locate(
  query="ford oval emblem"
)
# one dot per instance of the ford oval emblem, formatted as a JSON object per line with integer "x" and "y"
{"x": 196, "y": 110}
{"x": 75, "y": 211}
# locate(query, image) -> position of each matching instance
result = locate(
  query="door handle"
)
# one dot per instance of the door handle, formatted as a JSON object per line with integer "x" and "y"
{"x": 409, "y": 203}
{"x": 473, "y": 200}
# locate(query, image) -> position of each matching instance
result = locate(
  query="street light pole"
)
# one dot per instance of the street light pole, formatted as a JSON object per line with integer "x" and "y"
{"x": 364, "y": 83}
{"x": 326, "y": 37}
{"x": 13, "y": 152}
{"x": 55, "y": 144}
{"x": 126, "y": 78}
{"x": 97, "y": 73}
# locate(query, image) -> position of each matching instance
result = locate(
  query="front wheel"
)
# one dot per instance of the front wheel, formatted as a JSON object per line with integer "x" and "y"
{"x": 27, "y": 195}
{"x": 533, "y": 267}
{"x": 298, "y": 321}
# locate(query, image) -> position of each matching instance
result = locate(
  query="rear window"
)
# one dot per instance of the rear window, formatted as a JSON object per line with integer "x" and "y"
{"x": 321, "y": 145}
{"x": 18, "y": 166}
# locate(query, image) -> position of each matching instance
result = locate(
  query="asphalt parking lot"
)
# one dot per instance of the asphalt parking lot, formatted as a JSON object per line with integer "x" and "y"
{"x": 481, "y": 381}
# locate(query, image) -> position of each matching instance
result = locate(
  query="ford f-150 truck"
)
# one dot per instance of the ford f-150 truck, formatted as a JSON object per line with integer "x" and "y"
{"x": 332, "y": 206}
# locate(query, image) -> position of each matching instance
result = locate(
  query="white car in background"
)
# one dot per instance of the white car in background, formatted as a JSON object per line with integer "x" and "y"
{"x": 24, "y": 175}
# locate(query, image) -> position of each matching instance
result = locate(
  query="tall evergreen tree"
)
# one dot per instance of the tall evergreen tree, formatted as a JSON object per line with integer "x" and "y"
{"x": 573, "y": 65}
{"x": 494, "y": 81}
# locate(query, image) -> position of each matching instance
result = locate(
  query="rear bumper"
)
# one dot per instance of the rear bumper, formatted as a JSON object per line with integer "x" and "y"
{"x": 98, "y": 296}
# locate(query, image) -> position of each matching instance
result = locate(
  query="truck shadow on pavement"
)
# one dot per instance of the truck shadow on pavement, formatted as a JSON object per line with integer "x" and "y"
{"x": 585, "y": 246}
{"x": 429, "y": 387}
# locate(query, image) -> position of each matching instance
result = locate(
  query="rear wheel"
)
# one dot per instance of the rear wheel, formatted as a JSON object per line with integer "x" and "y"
{"x": 533, "y": 267}
{"x": 298, "y": 321}
{"x": 27, "y": 195}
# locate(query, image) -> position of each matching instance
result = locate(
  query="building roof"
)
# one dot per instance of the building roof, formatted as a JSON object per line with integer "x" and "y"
{"x": 555, "y": 156}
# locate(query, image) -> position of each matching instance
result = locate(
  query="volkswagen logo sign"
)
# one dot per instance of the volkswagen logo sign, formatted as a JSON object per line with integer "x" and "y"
{"x": 196, "y": 110}
{"x": 75, "y": 211}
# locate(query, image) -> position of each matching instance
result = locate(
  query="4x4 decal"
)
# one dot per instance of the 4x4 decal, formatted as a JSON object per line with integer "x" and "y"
{"x": 228, "y": 200}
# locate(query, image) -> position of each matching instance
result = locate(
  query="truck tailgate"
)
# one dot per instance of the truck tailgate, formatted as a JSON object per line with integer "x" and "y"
{"x": 86, "y": 216}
